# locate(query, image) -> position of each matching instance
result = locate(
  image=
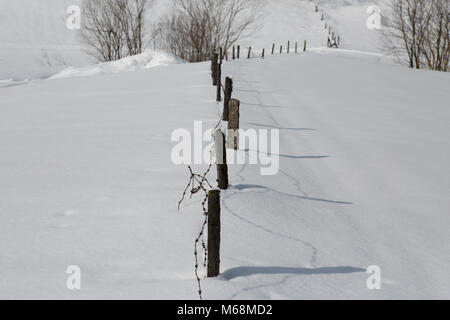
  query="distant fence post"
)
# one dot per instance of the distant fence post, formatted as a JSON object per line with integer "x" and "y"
{"x": 263, "y": 51}
{"x": 273, "y": 48}
{"x": 296, "y": 47}
{"x": 281, "y": 49}
{"x": 213, "y": 233}
{"x": 227, "y": 96}
{"x": 238, "y": 51}
{"x": 249, "y": 52}
{"x": 288, "y": 47}
{"x": 304, "y": 46}
{"x": 233, "y": 124}
{"x": 234, "y": 52}
{"x": 221, "y": 160}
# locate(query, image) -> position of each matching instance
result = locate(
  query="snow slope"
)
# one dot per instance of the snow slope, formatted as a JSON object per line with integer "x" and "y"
{"x": 87, "y": 180}
{"x": 34, "y": 39}
{"x": 35, "y": 42}
{"x": 348, "y": 18}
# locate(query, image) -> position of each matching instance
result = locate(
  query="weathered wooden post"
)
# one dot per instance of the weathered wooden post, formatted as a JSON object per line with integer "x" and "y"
{"x": 339, "y": 40}
{"x": 227, "y": 97}
{"x": 281, "y": 49}
{"x": 296, "y": 47}
{"x": 321, "y": 19}
{"x": 219, "y": 82}
{"x": 263, "y": 51}
{"x": 326, "y": 26}
{"x": 304, "y": 46}
{"x": 288, "y": 47}
{"x": 249, "y": 52}
{"x": 214, "y": 66}
{"x": 273, "y": 48}
{"x": 213, "y": 233}
{"x": 233, "y": 124}
{"x": 221, "y": 160}
{"x": 238, "y": 52}
{"x": 234, "y": 52}
{"x": 317, "y": 8}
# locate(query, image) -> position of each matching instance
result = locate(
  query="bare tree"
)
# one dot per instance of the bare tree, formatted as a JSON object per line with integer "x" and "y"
{"x": 113, "y": 29}
{"x": 195, "y": 27}
{"x": 437, "y": 48}
{"x": 420, "y": 29}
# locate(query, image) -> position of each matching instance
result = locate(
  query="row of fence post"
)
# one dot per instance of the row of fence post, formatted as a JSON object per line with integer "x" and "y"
{"x": 231, "y": 113}
{"x": 236, "y": 51}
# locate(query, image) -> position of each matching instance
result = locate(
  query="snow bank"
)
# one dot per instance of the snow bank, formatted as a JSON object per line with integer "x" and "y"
{"x": 146, "y": 60}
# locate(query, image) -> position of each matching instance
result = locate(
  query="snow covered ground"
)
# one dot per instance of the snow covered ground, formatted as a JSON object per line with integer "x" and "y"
{"x": 87, "y": 180}
{"x": 86, "y": 176}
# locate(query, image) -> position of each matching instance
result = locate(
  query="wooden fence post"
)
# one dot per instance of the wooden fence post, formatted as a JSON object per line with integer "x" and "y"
{"x": 288, "y": 47}
{"x": 219, "y": 82}
{"x": 227, "y": 97}
{"x": 249, "y": 52}
{"x": 296, "y": 47}
{"x": 339, "y": 40}
{"x": 221, "y": 159}
{"x": 238, "y": 51}
{"x": 273, "y": 48}
{"x": 304, "y": 46}
{"x": 214, "y": 66}
{"x": 234, "y": 52}
{"x": 281, "y": 49}
{"x": 263, "y": 51}
{"x": 233, "y": 124}
{"x": 213, "y": 233}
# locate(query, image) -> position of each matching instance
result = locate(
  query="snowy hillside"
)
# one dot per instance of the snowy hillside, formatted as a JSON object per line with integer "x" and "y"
{"x": 87, "y": 180}
{"x": 35, "y": 42}
{"x": 34, "y": 39}
{"x": 348, "y": 18}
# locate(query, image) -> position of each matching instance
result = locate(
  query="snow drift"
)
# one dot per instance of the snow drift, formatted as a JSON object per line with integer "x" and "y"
{"x": 146, "y": 60}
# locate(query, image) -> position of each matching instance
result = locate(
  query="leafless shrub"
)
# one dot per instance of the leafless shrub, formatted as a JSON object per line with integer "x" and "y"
{"x": 113, "y": 29}
{"x": 437, "y": 48}
{"x": 195, "y": 27}
{"x": 420, "y": 29}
